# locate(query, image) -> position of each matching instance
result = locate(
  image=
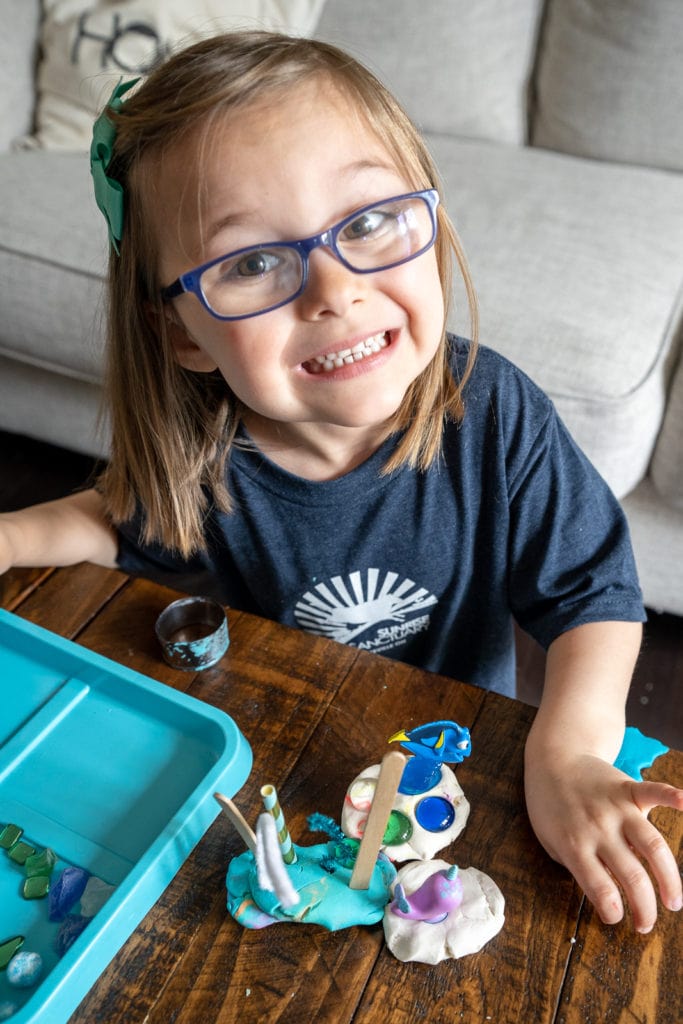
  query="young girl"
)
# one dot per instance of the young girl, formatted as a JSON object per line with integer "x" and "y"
{"x": 295, "y": 433}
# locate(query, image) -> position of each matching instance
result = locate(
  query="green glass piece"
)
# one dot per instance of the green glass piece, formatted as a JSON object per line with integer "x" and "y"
{"x": 36, "y": 887}
{"x": 398, "y": 830}
{"x": 9, "y": 948}
{"x": 41, "y": 864}
{"x": 21, "y": 852}
{"x": 9, "y": 836}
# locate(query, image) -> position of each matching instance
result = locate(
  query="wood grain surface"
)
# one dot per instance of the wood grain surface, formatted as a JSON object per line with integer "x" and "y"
{"x": 316, "y": 713}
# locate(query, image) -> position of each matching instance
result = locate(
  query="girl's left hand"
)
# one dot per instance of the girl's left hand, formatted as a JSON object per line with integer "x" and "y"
{"x": 592, "y": 818}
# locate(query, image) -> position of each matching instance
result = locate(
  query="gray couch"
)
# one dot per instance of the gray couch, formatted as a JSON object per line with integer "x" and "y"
{"x": 557, "y": 128}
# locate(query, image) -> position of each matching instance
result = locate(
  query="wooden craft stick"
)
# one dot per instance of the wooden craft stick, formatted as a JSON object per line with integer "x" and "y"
{"x": 390, "y": 774}
{"x": 238, "y": 821}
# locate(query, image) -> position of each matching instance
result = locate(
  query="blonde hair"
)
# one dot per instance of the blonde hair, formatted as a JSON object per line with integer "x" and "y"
{"x": 172, "y": 429}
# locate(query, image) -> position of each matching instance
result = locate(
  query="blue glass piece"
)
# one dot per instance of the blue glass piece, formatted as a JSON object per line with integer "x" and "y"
{"x": 7, "y": 1009}
{"x": 434, "y": 813}
{"x": 66, "y": 892}
{"x": 419, "y": 775}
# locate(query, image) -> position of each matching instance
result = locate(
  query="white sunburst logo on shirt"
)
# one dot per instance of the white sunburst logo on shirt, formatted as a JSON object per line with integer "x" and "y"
{"x": 345, "y": 608}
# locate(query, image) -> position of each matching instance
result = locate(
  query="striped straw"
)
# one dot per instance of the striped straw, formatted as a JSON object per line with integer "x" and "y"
{"x": 272, "y": 805}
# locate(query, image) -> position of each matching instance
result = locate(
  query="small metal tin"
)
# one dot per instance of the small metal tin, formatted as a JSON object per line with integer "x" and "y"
{"x": 193, "y": 633}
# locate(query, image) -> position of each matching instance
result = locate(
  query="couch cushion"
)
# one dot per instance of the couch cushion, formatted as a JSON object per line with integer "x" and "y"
{"x": 657, "y": 535}
{"x": 610, "y": 82}
{"x": 667, "y": 462}
{"x": 53, "y": 255}
{"x": 456, "y": 66}
{"x": 87, "y": 46}
{"x": 578, "y": 268}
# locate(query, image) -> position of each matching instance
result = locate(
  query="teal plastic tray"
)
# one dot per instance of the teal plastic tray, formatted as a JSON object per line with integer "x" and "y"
{"x": 116, "y": 773}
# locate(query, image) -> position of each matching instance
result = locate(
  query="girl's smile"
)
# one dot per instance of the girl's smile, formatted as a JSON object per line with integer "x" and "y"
{"x": 325, "y": 373}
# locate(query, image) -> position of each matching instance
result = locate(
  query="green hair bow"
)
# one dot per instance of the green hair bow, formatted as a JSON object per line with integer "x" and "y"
{"x": 108, "y": 191}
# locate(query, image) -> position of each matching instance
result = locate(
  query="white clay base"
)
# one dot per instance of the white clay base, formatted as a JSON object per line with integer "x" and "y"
{"x": 422, "y": 844}
{"x": 466, "y": 929}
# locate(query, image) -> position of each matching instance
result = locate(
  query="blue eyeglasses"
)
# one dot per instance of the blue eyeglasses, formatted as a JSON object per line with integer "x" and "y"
{"x": 261, "y": 278}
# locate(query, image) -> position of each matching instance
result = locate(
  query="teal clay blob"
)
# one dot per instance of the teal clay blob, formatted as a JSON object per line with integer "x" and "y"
{"x": 9, "y": 948}
{"x": 10, "y": 835}
{"x": 21, "y": 852}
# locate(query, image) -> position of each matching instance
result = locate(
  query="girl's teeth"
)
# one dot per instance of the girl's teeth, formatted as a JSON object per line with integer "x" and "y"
{"x": 347, "y": 356}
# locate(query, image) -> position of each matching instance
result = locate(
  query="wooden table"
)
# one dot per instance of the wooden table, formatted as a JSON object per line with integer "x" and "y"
{"x": 315, "y": 713}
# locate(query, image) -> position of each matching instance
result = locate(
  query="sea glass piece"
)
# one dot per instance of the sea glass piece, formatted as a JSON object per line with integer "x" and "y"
{"x": 66, "y": 892}
{"x": 95, "y": 895}
{"x": 40, "y": 864}
{"x": 9, "y": 948}
{"x": 24, "y": 969}
{"x": 10, "y": 835}
{"x": 71, "y": 928}
{"x": 21, "y": 852}
{"x": 36, "y": 887}
{"x": 7, "y": 1009}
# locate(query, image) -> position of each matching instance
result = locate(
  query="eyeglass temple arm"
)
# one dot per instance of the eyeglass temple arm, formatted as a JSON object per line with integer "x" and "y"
{"x": 172, "y": 291}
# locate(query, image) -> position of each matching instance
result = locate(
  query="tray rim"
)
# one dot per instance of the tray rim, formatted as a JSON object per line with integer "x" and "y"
{"x": 81, "y": 965}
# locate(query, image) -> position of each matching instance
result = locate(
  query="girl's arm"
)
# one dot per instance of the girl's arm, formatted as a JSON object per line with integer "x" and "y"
{"x": 62, "y": 532}
{"x": 588, "y": 815}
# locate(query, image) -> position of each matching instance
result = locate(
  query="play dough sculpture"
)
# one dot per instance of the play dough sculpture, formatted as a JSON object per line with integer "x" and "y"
{"x": 403, "y": 808}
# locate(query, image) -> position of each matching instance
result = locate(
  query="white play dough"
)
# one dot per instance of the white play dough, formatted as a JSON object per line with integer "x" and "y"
{"x": 466, "y": 929}
{"x": 422, "y": 845}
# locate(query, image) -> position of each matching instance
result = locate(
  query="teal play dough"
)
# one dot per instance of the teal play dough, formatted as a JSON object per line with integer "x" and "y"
{"x": 638, "y": 752}
{"x": 324, "y": 897}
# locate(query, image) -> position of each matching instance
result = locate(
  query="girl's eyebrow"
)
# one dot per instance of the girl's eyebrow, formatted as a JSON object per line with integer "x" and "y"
{"x": 244, "y": 217}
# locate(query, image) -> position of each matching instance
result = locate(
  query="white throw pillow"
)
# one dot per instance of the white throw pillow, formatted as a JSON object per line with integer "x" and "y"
{"x": 87, "y": 47}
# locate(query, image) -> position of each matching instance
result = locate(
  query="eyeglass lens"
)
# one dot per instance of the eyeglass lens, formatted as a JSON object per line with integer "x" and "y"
{"x": 372, "y": 239}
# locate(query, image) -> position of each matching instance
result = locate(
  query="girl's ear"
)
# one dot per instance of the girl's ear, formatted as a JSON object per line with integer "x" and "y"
{"x": 187, "y": 352}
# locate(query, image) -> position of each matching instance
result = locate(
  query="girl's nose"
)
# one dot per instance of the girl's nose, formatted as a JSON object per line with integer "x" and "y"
{"x": 331, "y": 287}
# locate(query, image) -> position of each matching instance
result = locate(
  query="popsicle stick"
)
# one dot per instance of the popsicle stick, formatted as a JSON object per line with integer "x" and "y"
{"x": 238, "y": 821}
{"x": 390, "y": 773}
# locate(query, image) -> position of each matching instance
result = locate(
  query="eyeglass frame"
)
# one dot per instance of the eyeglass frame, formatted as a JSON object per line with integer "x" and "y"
{"x": 189, "y": 282}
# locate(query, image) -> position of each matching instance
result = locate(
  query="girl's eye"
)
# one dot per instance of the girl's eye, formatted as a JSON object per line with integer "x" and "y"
{"x": 366, "y": 225}
{"x": 255, "y": 264}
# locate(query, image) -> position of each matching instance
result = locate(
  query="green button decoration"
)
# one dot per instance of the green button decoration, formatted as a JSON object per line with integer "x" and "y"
{"x": 8, "y": 948}
{"x": 10, "y": 835}
{"x": 398, "y": 830}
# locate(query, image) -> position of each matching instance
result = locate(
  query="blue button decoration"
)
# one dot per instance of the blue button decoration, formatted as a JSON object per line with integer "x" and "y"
{"x": 434, "y": 813}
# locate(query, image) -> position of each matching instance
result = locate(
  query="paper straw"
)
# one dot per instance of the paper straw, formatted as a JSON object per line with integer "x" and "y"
{"x": 272, "y": 805}
{"x": 390, "y": 774}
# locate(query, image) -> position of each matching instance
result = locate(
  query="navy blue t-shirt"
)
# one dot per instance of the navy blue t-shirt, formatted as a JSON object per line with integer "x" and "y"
{"x": 426, "y": 567}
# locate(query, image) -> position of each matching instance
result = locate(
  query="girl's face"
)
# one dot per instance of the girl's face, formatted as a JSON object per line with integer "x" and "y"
{"x": 279, "y": 171}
